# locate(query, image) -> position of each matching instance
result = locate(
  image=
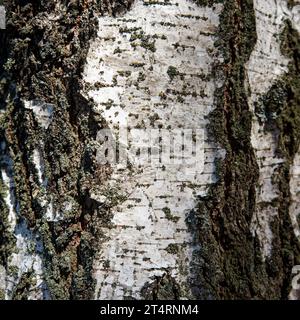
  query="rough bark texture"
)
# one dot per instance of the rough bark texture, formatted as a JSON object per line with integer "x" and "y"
{"x": 73, "y": 228}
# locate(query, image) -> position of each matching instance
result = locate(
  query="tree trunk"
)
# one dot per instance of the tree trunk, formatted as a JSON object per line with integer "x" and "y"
{"x": 150, "y": 149}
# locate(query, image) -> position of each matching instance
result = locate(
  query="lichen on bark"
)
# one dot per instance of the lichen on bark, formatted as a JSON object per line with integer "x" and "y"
{"x": 230, "y": 262}
{"x": 228, "y": 265}
{"x": 37, "y": 52}
{"x": 43, "y": 52}
{"x": 278, "y": 110}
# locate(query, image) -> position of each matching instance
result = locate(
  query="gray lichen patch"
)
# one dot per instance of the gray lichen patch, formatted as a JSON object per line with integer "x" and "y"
{"x": 162, "y": 288}
{"x": 24, "y": 253}
{"x": 49, "y": 128}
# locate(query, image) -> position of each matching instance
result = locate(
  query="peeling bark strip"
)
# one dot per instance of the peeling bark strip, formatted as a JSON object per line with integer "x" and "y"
{"x": 73, "y": 228}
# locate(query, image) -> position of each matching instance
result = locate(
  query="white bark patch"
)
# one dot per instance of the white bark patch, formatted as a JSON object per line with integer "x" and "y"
{"x": 2, "y": 17}
{"x": 27, "y": 258}
{"x": 27, "y": 254}
{"x": 295, "y": 192}
{"x": 294, "y": 211}
{"x": 45, "y": 200}
{"x": 43, "y": 112}
{"x": 266, "y": 65}
{"x": 149, "y": 69}
{"x": 37, "y": 159}
{"x": 9, "y": 199}
{"x": 2, "y": 279}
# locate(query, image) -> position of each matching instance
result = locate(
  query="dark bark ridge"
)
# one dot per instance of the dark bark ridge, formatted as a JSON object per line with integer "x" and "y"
{"x": 279, "y": 112}
{"x": 43, "y": 59}
{"x": 229, "y": 264}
